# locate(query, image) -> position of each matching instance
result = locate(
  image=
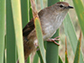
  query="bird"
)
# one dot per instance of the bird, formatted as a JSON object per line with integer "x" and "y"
{"x": 51, "y": 19}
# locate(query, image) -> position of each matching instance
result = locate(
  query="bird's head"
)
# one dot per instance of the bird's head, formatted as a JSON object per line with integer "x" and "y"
{"x": 63, "y": 6}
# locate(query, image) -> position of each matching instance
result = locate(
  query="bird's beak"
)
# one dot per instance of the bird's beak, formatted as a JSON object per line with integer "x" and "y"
{"x": 70, "y": 7}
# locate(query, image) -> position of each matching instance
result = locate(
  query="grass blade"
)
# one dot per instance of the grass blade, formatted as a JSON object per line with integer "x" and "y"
{"x": 36, "y": 57}
{"x": 77, "y": 54}
{"x": 79, "y": 8}
{"x": 30, "y": 11}
{"x": 28, "y": 3}
{"x": 10, "y": 33}
{"x": 52, "y": 51}
{"x": 28, "y": 59}
{"x": 39, "y": 54}
{"x": 66, "y": 57}
{"x": 30, "y": 16}
{"x": 24, "y": 11}
{"x": 18, "y": 28}
{"x": 2, "y": 28}
{"x": 40, "y": 38}
{"x": 70, "y": 33}
{"x": 16, "y": 54}
{"x": 60, "y": 60}
{"x": 38, "y": 30}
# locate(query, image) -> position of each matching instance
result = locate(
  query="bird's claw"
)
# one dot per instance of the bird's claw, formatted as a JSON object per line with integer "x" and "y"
{"x": 53, "y": 40}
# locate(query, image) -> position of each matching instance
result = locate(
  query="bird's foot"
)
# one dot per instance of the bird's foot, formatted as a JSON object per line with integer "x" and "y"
{"x": 53, "y": 40}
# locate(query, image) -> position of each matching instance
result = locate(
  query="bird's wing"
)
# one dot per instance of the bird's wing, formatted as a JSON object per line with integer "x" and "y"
{"x": 28, "y": 28}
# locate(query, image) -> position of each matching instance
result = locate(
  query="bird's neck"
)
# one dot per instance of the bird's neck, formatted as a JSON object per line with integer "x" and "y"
{"x": 53, "y": 19}
{"x": 58, "y": 19}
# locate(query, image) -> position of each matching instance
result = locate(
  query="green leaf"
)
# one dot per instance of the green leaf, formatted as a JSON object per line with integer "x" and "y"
{"x": 52, "y": 51}
{"x": 77, "y": 53}
{"x": 28, "y": 59}
{"x": 36, "y": 57}
{"x": 10, "y": 33}
{"x": 28, "y": 3}
{"x": 66, "y": 56}
{"x": 2, "y": 30}
{"x": 16, "y": 54}
{"x": 30, "y": 11}
{"x": 40, "y": 38}
{"x": 39, "y": 54}
{"x": 18, "y": 28}
{"x": 24, "y": 11}
{"x": 70, "y": 33}
{"x": 79, "y": 8}
{"x": 60, "y": 60}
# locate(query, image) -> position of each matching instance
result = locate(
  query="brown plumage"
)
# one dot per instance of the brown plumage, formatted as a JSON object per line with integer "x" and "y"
{"x": 28, "y": 28}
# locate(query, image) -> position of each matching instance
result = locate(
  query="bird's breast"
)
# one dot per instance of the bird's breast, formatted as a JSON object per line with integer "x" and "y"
{"x": 48, "y": 31}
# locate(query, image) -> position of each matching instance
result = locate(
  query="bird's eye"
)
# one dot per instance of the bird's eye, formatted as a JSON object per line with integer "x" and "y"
{"x": 61, "y": 6}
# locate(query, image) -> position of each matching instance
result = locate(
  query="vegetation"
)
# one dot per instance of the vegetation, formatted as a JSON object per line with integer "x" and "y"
{"x": 18, "y": 14}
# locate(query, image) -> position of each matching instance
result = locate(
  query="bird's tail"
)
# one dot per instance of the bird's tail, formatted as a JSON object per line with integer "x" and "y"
{"x": 28, "y": 49}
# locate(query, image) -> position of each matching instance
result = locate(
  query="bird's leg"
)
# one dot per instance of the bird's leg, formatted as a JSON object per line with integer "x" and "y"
{"x": 53, "y": 40}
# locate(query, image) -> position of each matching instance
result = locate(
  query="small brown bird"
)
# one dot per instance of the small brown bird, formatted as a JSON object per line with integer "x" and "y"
{"x": 51, "y": 18}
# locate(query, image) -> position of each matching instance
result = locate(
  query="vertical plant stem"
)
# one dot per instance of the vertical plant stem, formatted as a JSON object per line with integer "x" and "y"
{"x": 10, "y": 34}
{"x": 2, "y": 29}
{"x": 36, "y": 57}
{"x": 18, "y": 28}
{"x": 38, "y": 30}
{"x": 29, "y": 60}
{"x": 66, "y": 55}
{"x": 28, "y": 4}
{"x": 39, "y": 54}
{"x": 79, "y": 8}
{"x": 52, "y": 49}
{"x": 28, "y": 9}
{"x": 77, "y": 53}
{"x": 60, "y": 60}
{"x": 24, "y": 11}
{"x": 40, "y": 40}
